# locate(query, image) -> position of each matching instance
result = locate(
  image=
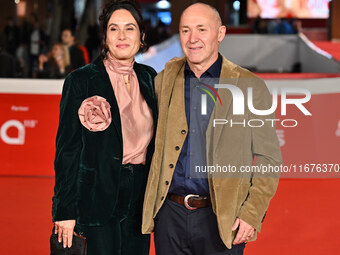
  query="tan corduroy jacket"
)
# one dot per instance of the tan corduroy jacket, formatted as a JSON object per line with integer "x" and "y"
{"x": 242, "y": 195}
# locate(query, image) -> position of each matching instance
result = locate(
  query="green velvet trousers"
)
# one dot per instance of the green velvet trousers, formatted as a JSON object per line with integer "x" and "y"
{"x": 122, "y": 234}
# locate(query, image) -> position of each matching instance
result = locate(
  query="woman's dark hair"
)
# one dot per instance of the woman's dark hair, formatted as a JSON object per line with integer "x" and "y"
{"x": 110, "y": 8}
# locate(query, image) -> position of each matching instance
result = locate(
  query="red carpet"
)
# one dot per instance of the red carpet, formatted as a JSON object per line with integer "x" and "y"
{"x": 303, "y": 218}
{"x": 332, "y": 48}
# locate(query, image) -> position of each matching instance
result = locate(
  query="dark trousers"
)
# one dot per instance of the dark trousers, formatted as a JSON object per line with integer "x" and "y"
{"x": 122, "y": 234}
{"x": 179, "y": 231}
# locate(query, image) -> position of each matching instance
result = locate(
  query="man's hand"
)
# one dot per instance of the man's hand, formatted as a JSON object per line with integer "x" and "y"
{"x": 244, "y": 233}
{"x": 64, "y": 229}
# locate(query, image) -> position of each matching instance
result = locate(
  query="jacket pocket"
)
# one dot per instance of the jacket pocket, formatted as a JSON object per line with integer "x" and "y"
{"x": 86, "y": 194}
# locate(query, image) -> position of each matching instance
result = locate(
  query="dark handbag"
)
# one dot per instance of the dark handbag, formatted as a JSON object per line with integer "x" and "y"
{"x": 78, "y": 245}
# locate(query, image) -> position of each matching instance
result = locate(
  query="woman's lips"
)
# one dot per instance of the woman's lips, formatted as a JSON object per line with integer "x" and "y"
{"x": 122, "y": 46}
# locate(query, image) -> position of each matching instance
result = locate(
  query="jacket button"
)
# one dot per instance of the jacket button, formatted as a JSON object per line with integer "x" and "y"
{"x": 162, "y": 198}
{"x": 177, "y": 148}
{"x": 171, "y": 165}
{"x": 183, "y": 132}
{"x": 166, "y": 182}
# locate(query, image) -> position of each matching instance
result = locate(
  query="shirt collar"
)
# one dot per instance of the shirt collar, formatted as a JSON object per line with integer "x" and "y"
{"x": 213, "y": 71}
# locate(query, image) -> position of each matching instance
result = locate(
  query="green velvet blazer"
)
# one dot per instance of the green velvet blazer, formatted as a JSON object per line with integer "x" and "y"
{"x": 88, "y": 164}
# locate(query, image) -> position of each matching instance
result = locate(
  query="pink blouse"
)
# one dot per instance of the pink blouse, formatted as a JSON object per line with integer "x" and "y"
{"x": 135, "y": 114}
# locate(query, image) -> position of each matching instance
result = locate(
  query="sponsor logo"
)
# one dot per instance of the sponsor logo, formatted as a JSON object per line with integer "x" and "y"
{"x": 19, "y": 139}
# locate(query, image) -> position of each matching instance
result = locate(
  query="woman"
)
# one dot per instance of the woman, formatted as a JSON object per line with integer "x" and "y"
{"x": 104, "y": 141}
{"x": 56, "y": 65}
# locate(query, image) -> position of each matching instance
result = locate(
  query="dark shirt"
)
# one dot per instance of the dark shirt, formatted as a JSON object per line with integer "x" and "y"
{"x": 9, "y": 66}
{"x": 283, "y": 28}
{"x": 52, "y": 71}
{"x": 13, "y": 39}
{"x": 185, "y": 180}
{"x": 77, "y": 57}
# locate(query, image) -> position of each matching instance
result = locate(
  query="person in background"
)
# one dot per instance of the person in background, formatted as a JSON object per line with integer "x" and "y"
{"x": 296, "y": 25}
{"x": 11, "y": 31}
{"x": 36, "y": 47}
{"x": 259, "y": 26}
{"x": 9, "y": 65}
{"x": 92, "y": 43}
{"x": 108, "y": 116}
{"x": 48, "y": 27}
{"x": 76, "y": 54}
{"x": 283, "y": 27}
{"x": 56, "y": 65}
{"x": 23, "y": 51}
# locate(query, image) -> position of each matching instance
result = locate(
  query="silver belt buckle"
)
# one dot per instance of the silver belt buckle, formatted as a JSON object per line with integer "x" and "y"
{"x": 186, "y": 201}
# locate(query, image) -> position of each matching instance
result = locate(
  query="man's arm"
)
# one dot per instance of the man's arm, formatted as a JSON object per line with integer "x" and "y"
{"x": 266, "y": 149}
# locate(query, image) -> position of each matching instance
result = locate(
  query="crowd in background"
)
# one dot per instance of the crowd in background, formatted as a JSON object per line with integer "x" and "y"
{"x": 276, "y": 26}
{"x": 26, "y": 50}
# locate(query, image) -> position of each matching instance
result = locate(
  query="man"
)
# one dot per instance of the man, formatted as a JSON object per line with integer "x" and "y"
{"x": 36, "y": 47}
{"x": 10, "y": 67}
{"x": 11, "y": 31}
{"x": 76, "y": 54}
{"x": 219, "y": 214}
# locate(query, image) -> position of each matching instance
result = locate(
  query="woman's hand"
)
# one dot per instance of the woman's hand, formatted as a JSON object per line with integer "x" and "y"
{"x": 42, "y": 60}
{"x": 60, "y": 62}
{"x": 64, "y": 229}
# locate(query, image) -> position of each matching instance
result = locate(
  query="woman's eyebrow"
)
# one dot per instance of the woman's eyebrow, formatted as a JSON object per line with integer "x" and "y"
{"x": 128, "y": 24}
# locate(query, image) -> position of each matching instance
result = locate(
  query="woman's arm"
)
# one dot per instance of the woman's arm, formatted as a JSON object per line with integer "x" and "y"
{"x": 66, "y": 164}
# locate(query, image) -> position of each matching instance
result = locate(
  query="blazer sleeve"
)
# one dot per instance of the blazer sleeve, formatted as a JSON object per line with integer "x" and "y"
{"x": 68, "y": 148}
{"x": 266, "y": 148}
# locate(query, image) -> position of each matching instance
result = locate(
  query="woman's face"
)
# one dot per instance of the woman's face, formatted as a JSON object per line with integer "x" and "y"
{"x": 57, "y": 52}
{"x": 123, "y": 35}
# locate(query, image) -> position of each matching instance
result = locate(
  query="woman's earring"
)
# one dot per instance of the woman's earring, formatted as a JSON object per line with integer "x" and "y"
{"x": 141, "y": 45}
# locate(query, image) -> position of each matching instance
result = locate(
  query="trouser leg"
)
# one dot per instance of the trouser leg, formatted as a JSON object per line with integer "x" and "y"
{"x": 189, "y": 232}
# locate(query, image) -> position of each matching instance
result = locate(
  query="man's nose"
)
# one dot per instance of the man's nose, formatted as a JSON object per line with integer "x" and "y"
{"x": 193, "y": 37}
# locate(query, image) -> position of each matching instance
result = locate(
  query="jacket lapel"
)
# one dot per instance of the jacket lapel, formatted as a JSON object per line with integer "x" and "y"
{"x": 228, "y": 76}
{"x": 167, "y": 83}
{"x": 171, "y": 72}
{"x": 146, "y": 88}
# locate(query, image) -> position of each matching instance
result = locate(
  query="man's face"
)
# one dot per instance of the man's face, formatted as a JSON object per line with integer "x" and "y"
{"x": 67, "y": 37}
{"x": 200, "y": 35}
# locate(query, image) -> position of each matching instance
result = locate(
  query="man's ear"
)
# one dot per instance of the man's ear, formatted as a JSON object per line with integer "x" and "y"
{"x": 221, "y": 33}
